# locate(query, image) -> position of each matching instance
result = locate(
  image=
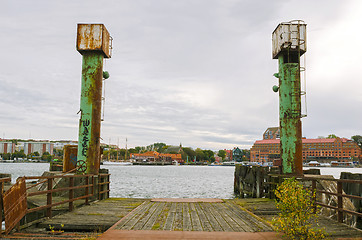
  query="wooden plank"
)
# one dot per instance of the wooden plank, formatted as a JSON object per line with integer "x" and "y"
{"x": 161, "y": 219}
{"x": 14, "y": 204}
{"x": 243, "y": 218}
{"x": 219, "y": 217}
{"x": 170, "y": 217}
{"x": 186, "y": 217}
{"x": 195, "y": 220}
{"x": 229, "y": 217}
{"x": 205, "y": 222}
{"x": 132, "y": 219}
{"x": 178, "y": 222}
{"x": 143, "y": 220}
{"x": 255, "y": 224}
{"x": 213, "y": 221}
{"x": 152, "y": 220}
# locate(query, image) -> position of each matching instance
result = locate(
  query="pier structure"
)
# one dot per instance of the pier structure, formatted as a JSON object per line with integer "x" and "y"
{"x": 94, "y": 43}
{"x": 289, "y": 44}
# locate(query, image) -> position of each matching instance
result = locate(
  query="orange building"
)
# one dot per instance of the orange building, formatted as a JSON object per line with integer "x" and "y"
{"x": 324, "y": 150}
{"x": 153, "y": 156}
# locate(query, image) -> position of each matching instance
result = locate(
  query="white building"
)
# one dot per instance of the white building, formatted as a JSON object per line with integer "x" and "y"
{"x": 7, "y": 147}
{"x": 40, "y": 147}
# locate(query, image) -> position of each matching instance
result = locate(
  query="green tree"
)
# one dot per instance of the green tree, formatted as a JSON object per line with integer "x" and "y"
{"x": 46, "y": 156}
{"x": 357, "y": 139}
{"x": 199, "y": 155}
{"x": 58, "y": 152}
{"x": 332, "y": 136}
{"x": 246, "y": 154}
{"x": 188, "y": 152}
{"x": 209, "y": 155}
{"x": 222, "y": 154}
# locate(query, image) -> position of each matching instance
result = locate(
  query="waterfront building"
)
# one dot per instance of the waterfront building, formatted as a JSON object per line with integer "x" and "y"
{"x": 61, "y": 143}
{"x": 321, "y": 149}
{"x": 237, "y": 155}
{"x": 153, "y": 156}
{"x": 272, "y": 133}
{"x": 7, "y": 147}
{"x": 40, "y": 147}
{"x": 229, "y": 155}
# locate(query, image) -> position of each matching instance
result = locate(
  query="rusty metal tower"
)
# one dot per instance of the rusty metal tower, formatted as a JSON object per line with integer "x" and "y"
{"x": 289, "y": 44}
{"x": 94, "y": 43}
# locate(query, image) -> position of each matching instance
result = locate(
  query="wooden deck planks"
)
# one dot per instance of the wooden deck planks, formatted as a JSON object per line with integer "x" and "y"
{"x": 191, "y": 216}
{"x": 250, "y": 221}
{"x": 170, "y": 217}
{"x": 178, "y": 222}
{"x": 227, "y": 215}
{"x": 195, "y": 220}
{"x": 129, "y": 221}
{"x": 205, "y": 223}
{"x": 187, "y": 226}
{"x": 152, "y": 220}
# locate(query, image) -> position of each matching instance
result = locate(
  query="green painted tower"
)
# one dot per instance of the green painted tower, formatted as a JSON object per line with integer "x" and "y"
{"x": 289, "y": 44}
{"x": 94, "y": 43}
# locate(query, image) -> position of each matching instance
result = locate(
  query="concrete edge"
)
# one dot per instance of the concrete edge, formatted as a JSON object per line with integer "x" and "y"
{"x": 188, "y": 200}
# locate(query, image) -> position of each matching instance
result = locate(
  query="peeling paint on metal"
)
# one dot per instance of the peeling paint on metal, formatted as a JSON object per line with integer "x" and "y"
{"x": 90, "y": 106}
{"x": 289, "y": 116}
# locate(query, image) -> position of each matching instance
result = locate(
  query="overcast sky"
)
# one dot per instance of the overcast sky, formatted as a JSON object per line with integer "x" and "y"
{"x": 196, "y": 72}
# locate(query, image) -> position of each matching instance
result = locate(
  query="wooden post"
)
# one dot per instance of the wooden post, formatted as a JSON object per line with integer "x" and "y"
{"x": 340, "y": 202}
{"x": 99, "y": 187}
{"x": 71, "y": 193}
{"x": 314, "y": 192}
{"x": 49, "y": 197}
{"x": 86, "y": 189}
{"x": 93, "y": 184}
{"x": 108, "y": 186}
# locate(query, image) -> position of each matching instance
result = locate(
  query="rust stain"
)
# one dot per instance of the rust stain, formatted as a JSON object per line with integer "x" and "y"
{"x": 15, "y": 204}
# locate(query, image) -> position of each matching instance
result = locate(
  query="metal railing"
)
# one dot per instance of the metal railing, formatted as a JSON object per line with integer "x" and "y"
{"x": 339, "y": 192}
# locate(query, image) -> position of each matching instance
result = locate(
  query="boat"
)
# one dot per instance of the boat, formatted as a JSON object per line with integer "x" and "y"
{"x": 342, "y": 164}
{"x": 313, "y": 164}
{"x": 228, "y": 163}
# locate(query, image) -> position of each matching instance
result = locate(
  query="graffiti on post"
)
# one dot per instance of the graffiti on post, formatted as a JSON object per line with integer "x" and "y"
{"x": 85, "y": 138}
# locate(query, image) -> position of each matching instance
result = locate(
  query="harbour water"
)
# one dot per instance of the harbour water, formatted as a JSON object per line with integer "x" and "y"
{"x": 162, "y": 181}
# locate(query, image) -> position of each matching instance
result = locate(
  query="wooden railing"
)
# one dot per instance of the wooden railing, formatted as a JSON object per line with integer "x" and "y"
{"x": 90, "y": 188}
{"x": 338, "y": 193}
{"x": 2, "y": 182}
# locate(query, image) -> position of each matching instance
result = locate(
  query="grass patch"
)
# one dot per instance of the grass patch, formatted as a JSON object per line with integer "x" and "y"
{"x": 95, "y": 214}
{"x": 156, "y": 226}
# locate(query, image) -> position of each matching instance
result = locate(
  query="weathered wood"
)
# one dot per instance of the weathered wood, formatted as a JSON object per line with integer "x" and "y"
{"x": 161, "y": 218}
{"x": 195, "y": 220}
{"x": 219, "y": 218}
{"x": 170, "y": 217}
{"x": 228, "y": 216}
{"x": 178, "y": 223}
{"x": 187, "y": 226}
{"x": 205, "y": 223}
{"x": 151, "y": 221}
{"x": 133, "y": 218}
{"x": 214, "y": 223}
{"x": 242, "y": 220}
{"x": 147, "y": 215}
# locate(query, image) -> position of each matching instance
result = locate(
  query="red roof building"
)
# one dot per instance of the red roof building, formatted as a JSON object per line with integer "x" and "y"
{"x": 153, "y": 156}
{"x": 323, "y": 149}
